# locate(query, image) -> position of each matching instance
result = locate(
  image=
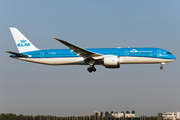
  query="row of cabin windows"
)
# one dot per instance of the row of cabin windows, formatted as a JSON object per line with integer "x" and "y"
{"x": 146, "y": 52}
{"x": 134, "y": 53}
{"x": 112, "y": 53}
{"x": 76, "y": 54}
{"x": 141, "y": 52}
{"x": 62, "y": 54}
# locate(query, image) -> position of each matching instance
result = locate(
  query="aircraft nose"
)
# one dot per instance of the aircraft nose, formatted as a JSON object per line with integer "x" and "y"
{"x": 174, "y": 57}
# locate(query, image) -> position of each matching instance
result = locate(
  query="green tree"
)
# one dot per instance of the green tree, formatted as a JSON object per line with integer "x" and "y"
{"x": 101, "y": 114}
{"x": 96, "y": 114}
{"x": 133, "y": 112}
{"x": 2, "y": 117}
{"x": 127, "y": 112}
{"x": 106, "y": 114}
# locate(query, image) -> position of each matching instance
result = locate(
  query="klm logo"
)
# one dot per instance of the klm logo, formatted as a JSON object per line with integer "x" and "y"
{"x": 23, "y": 44}
{"x": 134, "y": 51}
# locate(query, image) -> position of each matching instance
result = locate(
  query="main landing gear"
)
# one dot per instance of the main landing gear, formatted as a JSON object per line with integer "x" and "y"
{"x": 91, "y": 62}
{"x": 90, "y": 69}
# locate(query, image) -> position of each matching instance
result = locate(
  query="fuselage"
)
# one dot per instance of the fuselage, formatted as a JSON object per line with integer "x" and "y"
{"x": 125, "y": 55}
{"x": 108, "y": 57}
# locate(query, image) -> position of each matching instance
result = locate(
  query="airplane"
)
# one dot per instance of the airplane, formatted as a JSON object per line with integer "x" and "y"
{"x": 108, "y": 57}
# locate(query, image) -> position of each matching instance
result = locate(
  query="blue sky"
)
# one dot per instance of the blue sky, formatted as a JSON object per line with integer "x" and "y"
{"x": 33, "y": 89}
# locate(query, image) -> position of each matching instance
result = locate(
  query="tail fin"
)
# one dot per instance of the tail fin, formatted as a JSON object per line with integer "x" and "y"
{"x": 22, "y": 43}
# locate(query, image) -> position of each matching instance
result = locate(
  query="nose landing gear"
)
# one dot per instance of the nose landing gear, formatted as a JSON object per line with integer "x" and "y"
{"x": 162, "y": 65}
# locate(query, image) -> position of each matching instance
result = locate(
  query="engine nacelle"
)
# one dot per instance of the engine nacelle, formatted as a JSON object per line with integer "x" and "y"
{"x": 111, "y": 61}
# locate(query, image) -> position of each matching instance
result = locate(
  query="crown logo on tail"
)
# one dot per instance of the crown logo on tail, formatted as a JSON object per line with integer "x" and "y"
{"x": 23, "y": 41}
{"x": 23, "y": 44}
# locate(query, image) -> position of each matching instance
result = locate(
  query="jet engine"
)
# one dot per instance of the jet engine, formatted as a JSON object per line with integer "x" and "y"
{"x": 111, "y": 62}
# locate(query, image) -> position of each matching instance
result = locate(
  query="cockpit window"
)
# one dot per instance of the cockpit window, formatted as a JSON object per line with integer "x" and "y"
{"x": 168, "y": 53}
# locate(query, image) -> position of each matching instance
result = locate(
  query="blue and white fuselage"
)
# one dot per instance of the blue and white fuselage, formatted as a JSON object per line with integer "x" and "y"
{"x": 125, "y": 55}
{"x": 109, "y": 57}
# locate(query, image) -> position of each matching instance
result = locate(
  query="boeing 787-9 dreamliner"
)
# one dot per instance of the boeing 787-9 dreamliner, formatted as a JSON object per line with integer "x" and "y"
{"x": 108, "y": 57}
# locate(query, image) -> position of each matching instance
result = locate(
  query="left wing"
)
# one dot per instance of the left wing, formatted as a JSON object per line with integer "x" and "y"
{"x": 80, "y": 51}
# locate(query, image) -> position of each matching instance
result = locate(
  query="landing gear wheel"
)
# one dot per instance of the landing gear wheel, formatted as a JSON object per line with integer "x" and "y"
{"x": 89, "y": 69}
{"x": 94, "y": 69}
{"x": 161, "y": 67}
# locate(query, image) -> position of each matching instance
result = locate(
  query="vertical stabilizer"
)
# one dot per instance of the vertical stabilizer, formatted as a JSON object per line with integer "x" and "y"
{"x": 22, "y": 43}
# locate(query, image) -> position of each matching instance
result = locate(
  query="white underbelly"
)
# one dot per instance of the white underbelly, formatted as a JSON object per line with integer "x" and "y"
{"x": 142, "y": 60}
{"x": 56, "y": 61}
{"x": 80, "y": 60}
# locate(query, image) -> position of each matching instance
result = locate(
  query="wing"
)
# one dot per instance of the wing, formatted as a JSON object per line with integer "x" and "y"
{"x": 17, "y": 54}
{"x": 80, "y": 51}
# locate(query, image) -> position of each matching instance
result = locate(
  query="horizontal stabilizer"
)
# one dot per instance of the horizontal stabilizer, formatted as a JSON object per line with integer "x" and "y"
{"x": 17, "y": 54}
